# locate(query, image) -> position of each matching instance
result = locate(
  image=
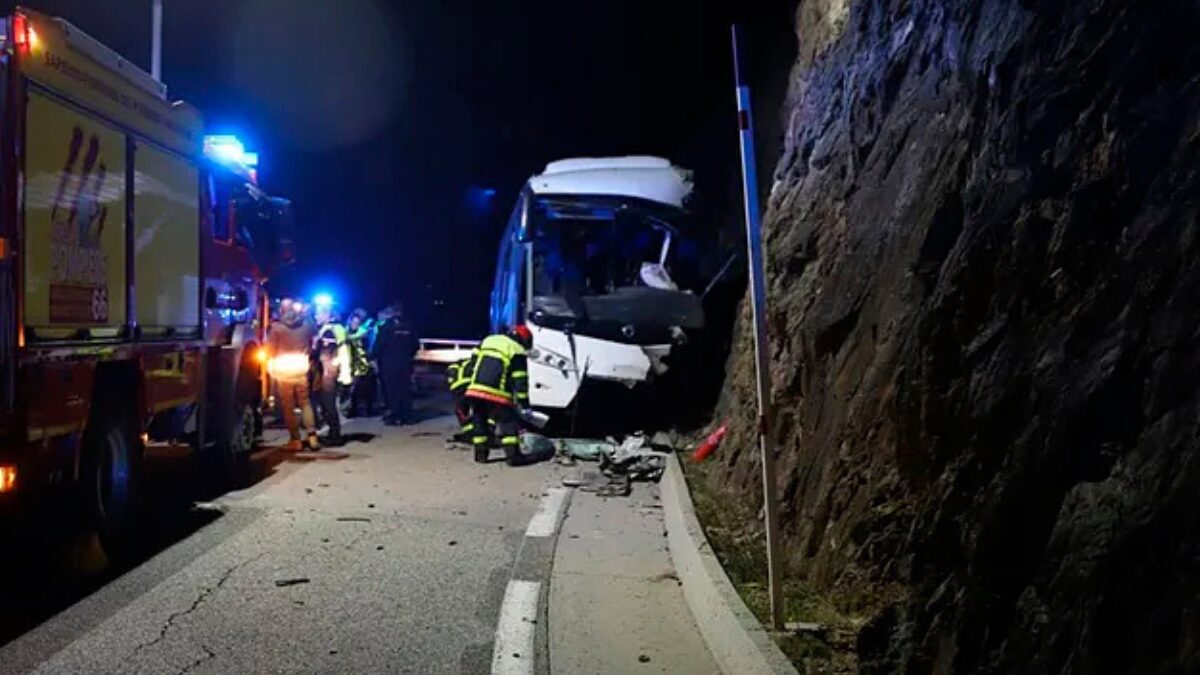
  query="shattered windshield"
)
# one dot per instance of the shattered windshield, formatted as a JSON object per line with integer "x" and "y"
{"x": 587, "y": 248}
{"x": 615, "y": 268}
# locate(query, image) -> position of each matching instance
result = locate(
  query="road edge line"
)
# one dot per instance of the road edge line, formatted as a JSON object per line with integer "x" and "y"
{"x": 545, "y": 522}
{"x": 736, "y": 639}
{"x": 516, "y": 630}
{"x": 534, "y": 564}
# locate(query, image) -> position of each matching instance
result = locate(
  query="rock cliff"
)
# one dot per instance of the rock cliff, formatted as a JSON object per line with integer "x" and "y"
{"x": 982, "y": 250}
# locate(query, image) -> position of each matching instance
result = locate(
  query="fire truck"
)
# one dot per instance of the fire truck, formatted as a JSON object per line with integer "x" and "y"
{"x": 132, "y": 272}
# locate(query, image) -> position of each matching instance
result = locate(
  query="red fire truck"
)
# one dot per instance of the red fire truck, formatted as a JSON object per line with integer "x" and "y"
{"x": 132, "y": 274}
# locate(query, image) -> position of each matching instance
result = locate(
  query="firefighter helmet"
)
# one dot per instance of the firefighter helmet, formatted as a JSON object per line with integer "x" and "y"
{"x": 522, "y": 334}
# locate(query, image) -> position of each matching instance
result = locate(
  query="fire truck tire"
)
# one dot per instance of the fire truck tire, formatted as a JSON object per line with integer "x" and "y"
{"x": 243, "y": 431}
{"x": 110, "y": 479}
{"x": 227, "y": 462}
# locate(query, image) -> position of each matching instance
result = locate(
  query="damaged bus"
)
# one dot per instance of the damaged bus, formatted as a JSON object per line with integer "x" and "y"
{"x": 597, "y": 261}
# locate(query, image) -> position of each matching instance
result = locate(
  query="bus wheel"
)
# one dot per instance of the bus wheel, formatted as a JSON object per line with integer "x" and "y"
{"x": 109, "y": 477}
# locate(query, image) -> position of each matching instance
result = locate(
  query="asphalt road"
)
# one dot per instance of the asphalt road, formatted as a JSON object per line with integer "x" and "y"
{"x": 392, "y": 557}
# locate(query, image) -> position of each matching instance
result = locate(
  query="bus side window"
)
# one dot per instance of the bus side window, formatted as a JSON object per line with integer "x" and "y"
{"x": 501, "y": 317}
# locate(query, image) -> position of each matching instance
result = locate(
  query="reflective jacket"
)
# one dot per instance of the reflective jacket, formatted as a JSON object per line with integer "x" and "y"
{"x": 459, "y": 374}
{"x": 360, "y": 363}
{"x": 333, "y": 352}
{"x": 501, "y": 372}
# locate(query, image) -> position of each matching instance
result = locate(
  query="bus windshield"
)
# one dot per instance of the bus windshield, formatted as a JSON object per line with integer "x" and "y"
{"x": 598, "y": 259}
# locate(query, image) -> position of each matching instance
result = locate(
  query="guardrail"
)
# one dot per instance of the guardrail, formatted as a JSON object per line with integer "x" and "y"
{"x": 439, "y": 351}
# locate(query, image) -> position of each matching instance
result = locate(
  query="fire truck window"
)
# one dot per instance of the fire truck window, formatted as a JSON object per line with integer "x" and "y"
{"x": 243, "y": 237}
{"x": 220, "y": 221}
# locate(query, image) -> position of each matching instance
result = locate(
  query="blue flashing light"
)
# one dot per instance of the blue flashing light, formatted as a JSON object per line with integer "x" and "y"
{"x": 225, "y": 148}
{"x": 323, "y": 300}
{"x": 250, "y": 159}
{"x": 489, "y": 192}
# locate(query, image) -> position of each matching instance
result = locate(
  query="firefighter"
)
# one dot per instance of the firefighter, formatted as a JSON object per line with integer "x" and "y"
{"x": 395, "y": 346}
{"x": 458, "y": 377}
{"x": 331, "y": 369}
{"x": 288, "y": 344}
{"x": 498, "y": 391}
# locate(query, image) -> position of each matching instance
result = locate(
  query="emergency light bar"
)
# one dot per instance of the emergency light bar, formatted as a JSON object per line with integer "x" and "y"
{"x": 229, "y": 150}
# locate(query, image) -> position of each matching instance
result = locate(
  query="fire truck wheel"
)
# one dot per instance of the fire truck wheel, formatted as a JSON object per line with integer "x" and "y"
{"x": 243, "y": 431}
{"x": 227, "y": 464}
{"x": 109, "y": 477}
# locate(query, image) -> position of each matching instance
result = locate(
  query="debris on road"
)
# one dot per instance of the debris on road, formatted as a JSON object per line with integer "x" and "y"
{"x": 617, "y": 486}
{"x": 584, "y": 449}
{"x": 583, "y": 478}
{"x": 635, "y": 458}
{"x": 353, "y": 519}
{"x": 805, "y": 627}
{"x": 284, "y": 583}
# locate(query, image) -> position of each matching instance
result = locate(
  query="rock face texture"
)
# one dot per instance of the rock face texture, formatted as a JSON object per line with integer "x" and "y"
{"x": 983, "y": 250}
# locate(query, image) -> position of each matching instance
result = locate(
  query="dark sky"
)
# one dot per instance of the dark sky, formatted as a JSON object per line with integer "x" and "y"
{"x": 377, "y": 116}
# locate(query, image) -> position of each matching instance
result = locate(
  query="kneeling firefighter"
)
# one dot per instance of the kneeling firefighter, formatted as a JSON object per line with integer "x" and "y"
{"x": 499, "y": 391}
{"x": 458, "y": 378}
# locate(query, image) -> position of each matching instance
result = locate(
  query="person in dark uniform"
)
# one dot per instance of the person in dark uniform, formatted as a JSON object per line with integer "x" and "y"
{"x": 395, "y": 346}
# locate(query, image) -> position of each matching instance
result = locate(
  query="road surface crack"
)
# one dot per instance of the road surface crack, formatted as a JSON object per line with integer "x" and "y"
{"x": 208, "y": 656}
{"x": 200, "y": 599}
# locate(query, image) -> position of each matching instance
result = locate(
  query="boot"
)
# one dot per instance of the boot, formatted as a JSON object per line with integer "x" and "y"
{"x": 512, "y": 455}
{"x": 481, "y": 454}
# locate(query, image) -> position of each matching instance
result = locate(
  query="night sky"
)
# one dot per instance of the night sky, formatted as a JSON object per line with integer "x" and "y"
{"x": 378, "y": 117}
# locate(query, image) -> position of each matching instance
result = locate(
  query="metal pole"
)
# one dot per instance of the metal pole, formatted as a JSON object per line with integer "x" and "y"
{"x": 156, "y": 13}
{"x": 758, "y": 300}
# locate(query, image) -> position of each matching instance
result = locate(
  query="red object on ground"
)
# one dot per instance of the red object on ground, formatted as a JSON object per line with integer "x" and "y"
{"x": 710, "y": 444}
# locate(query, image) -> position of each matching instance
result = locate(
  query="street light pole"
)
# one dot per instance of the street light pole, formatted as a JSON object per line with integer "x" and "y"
{"x": 758, "y": 302}
{"x": 156, "y": 18}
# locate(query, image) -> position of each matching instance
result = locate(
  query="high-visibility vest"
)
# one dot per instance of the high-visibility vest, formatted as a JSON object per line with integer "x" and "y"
{"x": 459, "y": 374}
{"x": 501, "y": 372}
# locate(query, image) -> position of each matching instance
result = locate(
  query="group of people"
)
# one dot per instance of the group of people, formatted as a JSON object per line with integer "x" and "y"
{"x": 323, "y": 368}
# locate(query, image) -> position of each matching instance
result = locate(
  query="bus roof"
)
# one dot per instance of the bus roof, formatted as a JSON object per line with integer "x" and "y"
{"x": 651, "y": 178}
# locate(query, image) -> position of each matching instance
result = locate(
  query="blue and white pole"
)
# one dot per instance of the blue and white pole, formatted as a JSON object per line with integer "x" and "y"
{"x": 762, "y": 353}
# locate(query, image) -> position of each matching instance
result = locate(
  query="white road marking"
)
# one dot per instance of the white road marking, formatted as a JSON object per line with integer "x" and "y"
{"x": 545, "y": 521}
{"x": 513, "y": 653}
